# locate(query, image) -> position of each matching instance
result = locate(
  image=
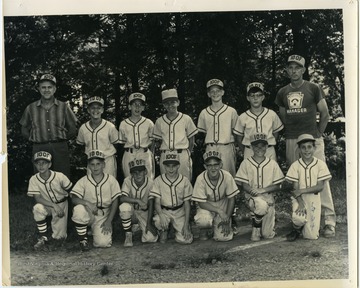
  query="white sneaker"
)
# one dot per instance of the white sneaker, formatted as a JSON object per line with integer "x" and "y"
{"x": 255, "y": 235}
{"x": 128, "y": 239}
{"x": 41, "y": 243}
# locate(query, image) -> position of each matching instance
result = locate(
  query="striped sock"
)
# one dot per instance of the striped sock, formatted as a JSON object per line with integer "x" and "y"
{"x": 81, "y": 230}
{"x": 42, "y": 227}
{"x": 126, "y": 223}
{"x": 257, "y": 220}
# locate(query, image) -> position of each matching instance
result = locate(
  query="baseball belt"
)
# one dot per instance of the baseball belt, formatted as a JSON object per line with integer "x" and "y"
{"x": 249, "y": 147}
{"x": 172, "y": 208}
{"x": 214, "y": 144}
{"x": 176, "y": 150}
{"x": 131, "y": 150}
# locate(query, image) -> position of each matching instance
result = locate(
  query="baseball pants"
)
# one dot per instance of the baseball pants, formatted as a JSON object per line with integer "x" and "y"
{"x": 139, "y": 154}
{"x": 206, "y": 219}
{"x": 185, "y": 163}
{"x": 83, "y": 215}
{"x": 177, "y": 219}
{"x": 327, "y": 205}
{"x": 110, "y": 166}
{"x": 58, "y": 225}
{"x": 228, "y": 155}
{"x": 127, "y": 211}
{"x": 270, "y": 153}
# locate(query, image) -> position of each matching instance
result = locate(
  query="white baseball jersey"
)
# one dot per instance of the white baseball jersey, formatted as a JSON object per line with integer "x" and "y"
{"x": 174, "y": 133}
{"x": 130, "y": 189}
{"x": 102, "y": 194}
{"x": 267, "y": 122}
{"x": 218, "y": 125}
{"x": 205, "y": 191}
{"x": 136, "y": 135}
{"x": 307, "y": 175}
{"x": 52, "y": 189}
{"x": 171, "y": 193}
{"x": 101, "y": 138}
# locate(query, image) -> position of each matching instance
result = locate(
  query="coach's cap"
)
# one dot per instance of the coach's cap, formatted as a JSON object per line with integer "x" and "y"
{"x": 42, "y": 155}
{"x": 297, "y": 59}
{"x": 258, "y": 138}
{"x": 137, "y": 165}
{"x": 305, "y": 138}
{"x": 96, "y": 154}
{"x": 48, "y": 77}
{"x": 212, "y": 154}
{"x": 171, "y": 157}
{"x": 213, "y": 82}
{"x": 170, "y": 94}
{"x": 137, "y": 96}
{"x": 255, "y": 85}
{"x": 95, "y": 99}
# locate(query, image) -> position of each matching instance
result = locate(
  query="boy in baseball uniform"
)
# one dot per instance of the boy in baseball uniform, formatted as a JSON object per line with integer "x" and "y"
{"x": 217, "y": 122}
{"x": 176, "y": 132}
{"x": 136, "y": 205}
{"x": 135, "y": 133}
{"x": 50, "y": 191}
{"x": 214, "y": 191}
{"x": 99, "y": 134}
{"x": 257, "y": 119}
{"x": 172, "y": 192}
{"x": 308, "y": 176}
{"x": 95, "y": 199}
{"x": 260, "y": 176}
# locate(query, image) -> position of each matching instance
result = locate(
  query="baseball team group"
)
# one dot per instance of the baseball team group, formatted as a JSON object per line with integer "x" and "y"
{"x": 155, "y": 204}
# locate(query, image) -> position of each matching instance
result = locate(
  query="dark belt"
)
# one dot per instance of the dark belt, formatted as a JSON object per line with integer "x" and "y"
{"x": 51, "y": 141}
{"x": 214, "y": 144}
{"x": 176, "y": 150}
{"x": 131, "y": 150}
{"x": 249, "y": 147}
{"x": 172, "y": 208}
{"x": 62, "y": 200}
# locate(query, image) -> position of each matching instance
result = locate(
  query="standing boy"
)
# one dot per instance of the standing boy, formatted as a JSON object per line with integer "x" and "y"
{"x": 298, "y": 104}
{"x": 308, "y": 175}
{"x": 172, "y": 192}
{"x": 95, "y": 197}
{"x": 48, "y": 123}
{"x": 215, "y": 190}
{"x": 218, "y": 122}
{"x": 257, "y": 119}
{"x": 135, "y": 133}
{"x": 50, "y": 190}
{"x": 136, "y": 204}
{"x": 260, "y": 176}
{"x": 99, "y": 134}
{"x": 175, "y": 131}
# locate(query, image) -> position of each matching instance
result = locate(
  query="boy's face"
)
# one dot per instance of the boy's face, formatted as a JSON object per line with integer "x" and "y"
{"x": 215, "y": 93}
{"x": 47, "y": 89}
{"x": 295, "y": 71}
{"x": 255, "y": 98}
{"x": 307, "y": 150}
{"x": 139, "y": 176}
{"x": 42, "y": 165}
{"x": 259, "y": 149}
{"x": 95, "y": 110}
{"x": 171, "y": 169}
{"x": 96, "y": 166}
{"x": 137, "y": 107}
{"x": 171, "y": 105}
{"x": 213, "y": 167}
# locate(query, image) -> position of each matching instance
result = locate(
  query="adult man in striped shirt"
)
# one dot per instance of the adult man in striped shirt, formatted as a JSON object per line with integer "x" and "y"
{"x": 48, "y": 123}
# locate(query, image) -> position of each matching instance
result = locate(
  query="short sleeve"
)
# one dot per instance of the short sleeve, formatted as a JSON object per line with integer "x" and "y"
{"x": 33, "y": 188}
{"x": 199, "y": 192}
{"x": 80, "y": 139}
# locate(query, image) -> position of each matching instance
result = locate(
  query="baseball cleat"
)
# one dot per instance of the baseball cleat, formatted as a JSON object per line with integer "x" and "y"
{"x": 255, "y": 234}
{"x": 329, "y": 231}
{"x": 42, "y": 241}
{"x": 163, "y": 236}
{"x": 128, "y": 240}
{"x": 203, "y": 235}
{"x": 293, "y": 235}
{"x": 84, "y": 245}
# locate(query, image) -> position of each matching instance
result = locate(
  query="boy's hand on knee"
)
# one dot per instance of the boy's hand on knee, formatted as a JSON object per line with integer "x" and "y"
{"x": 106, "y": 227}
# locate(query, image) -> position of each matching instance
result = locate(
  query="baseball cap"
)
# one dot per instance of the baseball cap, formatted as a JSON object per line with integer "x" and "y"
{"x": 42, "y": 155}
{"x": 297, "y": 59}
{"x": 171, "y": 158}
{"x": 48, "y": 77}
{"x": 170, "y": 94}
{"x": 258, "y": 138}
{"x": 212, "y": 154}
{"x": 213, "y": 82}
{"x": 96, "y": 154}
{"x": 95, "y": 99}
{"x": 137, "y": 165}
{"x": 257, "y": 85}
{"x": 304, "y": 138}
{"x": 137, "y": 96}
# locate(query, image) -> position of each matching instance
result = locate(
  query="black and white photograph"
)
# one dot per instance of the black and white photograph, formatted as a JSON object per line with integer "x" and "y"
{"x": 180, "y": 144}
